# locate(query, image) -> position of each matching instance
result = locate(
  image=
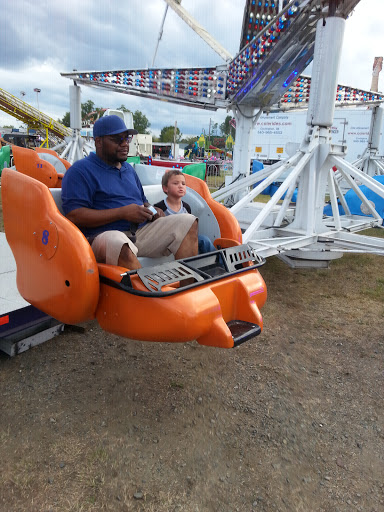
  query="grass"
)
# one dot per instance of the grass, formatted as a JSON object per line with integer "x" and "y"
{"x": 99, "y": 475}
{"x": 377, "y": 232}
{"x": 376, "y": 292}
{"x": 178, "y": 385}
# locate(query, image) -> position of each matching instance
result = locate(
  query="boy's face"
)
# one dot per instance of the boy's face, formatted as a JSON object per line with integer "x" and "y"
{"x": 176, "y": 187}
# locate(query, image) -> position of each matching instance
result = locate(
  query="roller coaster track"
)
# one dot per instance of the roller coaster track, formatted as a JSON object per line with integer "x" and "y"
{"x": 32, "y": 117}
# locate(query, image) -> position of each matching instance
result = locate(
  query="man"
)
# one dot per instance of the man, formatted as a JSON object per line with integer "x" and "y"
{"x": 103, "y": 196}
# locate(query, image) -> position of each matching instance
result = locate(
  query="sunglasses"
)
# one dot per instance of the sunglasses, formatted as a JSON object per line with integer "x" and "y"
{"x": 120, "y": 139}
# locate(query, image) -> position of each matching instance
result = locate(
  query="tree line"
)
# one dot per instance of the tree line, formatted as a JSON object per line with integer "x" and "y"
{"x": 90, "y": 113}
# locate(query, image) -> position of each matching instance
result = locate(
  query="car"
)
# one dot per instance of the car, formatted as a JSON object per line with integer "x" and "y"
{"x": 24, "y": 140}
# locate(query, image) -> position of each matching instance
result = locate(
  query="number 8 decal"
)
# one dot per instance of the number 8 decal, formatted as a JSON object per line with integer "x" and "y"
{"x": 45, "y": 236}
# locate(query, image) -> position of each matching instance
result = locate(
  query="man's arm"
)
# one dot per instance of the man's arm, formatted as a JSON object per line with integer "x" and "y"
{"x": 89, "y": 218}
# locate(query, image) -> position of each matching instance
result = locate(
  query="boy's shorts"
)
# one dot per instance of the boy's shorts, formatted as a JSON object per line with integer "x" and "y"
{"x": 158, "y": 238}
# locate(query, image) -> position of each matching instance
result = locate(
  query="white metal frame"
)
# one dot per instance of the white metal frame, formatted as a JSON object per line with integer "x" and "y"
{"x": 303, "y": 233}
{"x": 371, "y": 162}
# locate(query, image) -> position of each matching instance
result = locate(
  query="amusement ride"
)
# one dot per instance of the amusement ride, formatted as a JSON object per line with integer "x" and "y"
{"x": 56, "y": 269}
{"x": 279, "y": 40}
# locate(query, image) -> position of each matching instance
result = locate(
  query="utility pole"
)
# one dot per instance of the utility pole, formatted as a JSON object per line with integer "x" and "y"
{"x": 174, "y": 140}
{"x": 37, "y": 97}
{"x": 209, "y": 134}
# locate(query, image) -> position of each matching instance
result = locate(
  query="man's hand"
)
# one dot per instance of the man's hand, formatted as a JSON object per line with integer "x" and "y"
{"x": 159, "y": 213}
{"x": 135, "y": 213}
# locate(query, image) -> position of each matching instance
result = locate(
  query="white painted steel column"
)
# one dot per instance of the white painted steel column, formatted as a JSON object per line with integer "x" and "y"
{"x": 245, "y": 121}
{"x": 75, "y": 146}
{"x": 325, "y": 71}
{"x": 321, "y": 108}
{"x": 375, "y": 129}
{"x": 75, "y": 107}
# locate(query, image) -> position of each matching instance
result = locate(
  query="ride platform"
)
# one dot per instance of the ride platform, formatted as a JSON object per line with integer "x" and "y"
{"x": 22, "y": 326}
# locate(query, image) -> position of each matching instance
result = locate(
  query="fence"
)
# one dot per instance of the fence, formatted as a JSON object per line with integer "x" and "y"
{"x": 216, "y": 173}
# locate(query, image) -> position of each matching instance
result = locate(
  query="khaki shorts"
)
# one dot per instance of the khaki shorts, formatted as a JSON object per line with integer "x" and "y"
{"x": 159, "y": 238}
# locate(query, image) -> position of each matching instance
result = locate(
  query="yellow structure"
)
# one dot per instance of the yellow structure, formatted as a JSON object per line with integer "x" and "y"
{"x": 229, "y": 142}
{"x": 32, "y": 117}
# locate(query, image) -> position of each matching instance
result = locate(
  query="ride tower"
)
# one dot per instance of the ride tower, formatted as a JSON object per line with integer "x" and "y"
{"x": 264, "y": 74}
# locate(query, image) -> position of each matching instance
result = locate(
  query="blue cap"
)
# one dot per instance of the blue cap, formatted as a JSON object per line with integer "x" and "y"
{"x": 111, "y": 125}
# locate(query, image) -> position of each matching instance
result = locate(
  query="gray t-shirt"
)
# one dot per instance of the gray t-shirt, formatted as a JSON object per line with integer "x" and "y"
{"x": 169, "y": 210}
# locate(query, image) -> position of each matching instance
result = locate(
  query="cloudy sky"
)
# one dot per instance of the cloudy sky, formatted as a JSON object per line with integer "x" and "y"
{"x": 41, "y": 38}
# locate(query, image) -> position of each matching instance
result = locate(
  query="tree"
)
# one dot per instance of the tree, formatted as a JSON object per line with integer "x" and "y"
{"x": 96, "y": 114}
{"x": 225, "y": 127}
{"x": 123, "y": 108}
{"x": 87, "y": 108}
{"x": 66, "y": 119}
{"x": 167, "y": 134}
{"x": 214, "y": 127}
{"x": 140, "y": 122}
{"x": 90, "y": 114}
{"x": 8, "y": 126}
{"x": 190, "y": 140}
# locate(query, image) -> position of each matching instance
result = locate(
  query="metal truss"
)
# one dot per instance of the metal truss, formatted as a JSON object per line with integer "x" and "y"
{"x": 302, "y": 231}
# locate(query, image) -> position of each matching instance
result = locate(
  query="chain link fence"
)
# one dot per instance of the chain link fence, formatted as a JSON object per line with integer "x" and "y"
{"x": 216, "y": 173}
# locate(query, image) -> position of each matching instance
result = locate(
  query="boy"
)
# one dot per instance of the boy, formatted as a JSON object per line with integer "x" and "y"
{"x": 174, "y": 186}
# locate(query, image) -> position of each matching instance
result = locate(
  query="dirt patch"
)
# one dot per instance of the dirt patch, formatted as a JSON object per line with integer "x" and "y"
{"x": 290, "y": 421}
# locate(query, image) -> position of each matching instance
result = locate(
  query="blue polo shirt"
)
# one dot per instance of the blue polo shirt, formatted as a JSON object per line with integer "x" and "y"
{"x": 91, "y": 183}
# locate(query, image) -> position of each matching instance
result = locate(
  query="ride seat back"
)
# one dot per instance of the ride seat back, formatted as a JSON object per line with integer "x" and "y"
{"x": 215, "y": 221}
{"x": 53, "y": 158}
{"x": 28, "y": 162}
{"x": 208, "y": 224}
{"x": 154, "y": 193}
{"x": 56, "y": 268}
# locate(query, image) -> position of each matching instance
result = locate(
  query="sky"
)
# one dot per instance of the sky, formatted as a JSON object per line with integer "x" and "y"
{"x": 41, "y": 38}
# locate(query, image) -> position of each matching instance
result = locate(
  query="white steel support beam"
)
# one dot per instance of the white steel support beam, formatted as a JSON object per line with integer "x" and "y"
{"x": 371, "y": 162}
{"x": 211, "y": 41}
{"x": 310, "y": 170}
{"x": 76, "y": 148}
{"x": 246, "y": 118}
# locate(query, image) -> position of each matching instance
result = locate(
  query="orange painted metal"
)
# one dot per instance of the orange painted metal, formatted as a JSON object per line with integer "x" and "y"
{"x": 229, "y": 226}
{"x": 199, "y": 313}
{"x": 56, "y": 268}
{"x": 28, "y": 162}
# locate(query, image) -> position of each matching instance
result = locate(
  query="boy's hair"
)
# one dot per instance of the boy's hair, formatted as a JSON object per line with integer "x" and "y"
{"x": 168, "y": 175}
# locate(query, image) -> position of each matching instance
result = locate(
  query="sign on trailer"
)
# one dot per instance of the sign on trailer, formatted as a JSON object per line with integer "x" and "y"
{"x": 277, "y": 135}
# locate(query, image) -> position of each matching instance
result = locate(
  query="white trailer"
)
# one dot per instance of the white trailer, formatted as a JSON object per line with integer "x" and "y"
{"x": 277, "y": 136}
